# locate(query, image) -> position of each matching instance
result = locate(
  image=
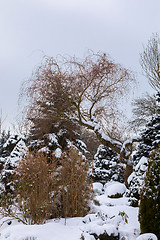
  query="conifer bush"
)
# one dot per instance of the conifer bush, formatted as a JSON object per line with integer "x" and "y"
{"x": 149, "y": 212}
{"x": 106, "y": 166}
{"x": 150, "y": 139}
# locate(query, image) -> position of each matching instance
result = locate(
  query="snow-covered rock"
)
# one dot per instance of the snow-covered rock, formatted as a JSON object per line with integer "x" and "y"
{"x": 147, "y": 236}
{"x": 97, "y": 188}
{"x": 114, "y": 189}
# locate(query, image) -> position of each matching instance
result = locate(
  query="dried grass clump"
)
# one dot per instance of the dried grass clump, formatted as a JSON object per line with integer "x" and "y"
{"x": 45, "y": 190}
{"x": 34, "y": 187}
{"x": 76, "y": 188}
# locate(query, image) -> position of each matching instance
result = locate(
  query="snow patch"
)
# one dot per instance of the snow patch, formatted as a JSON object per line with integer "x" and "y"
{"x": 58, "y": 153}
{"x": 53, "y": 138}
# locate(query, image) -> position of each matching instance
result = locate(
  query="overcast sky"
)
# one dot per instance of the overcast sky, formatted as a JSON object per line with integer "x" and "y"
{"x": 31, "y": 28}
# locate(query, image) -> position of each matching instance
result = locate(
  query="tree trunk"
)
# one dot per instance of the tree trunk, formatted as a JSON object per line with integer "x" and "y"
{"x": 127, "y": 173}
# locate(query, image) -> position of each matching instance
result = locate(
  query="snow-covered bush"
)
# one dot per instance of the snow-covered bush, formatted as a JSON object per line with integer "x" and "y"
{"x": 8, "y": 146}
{"x": 149, "y": 212}
{"x": 136, "y": 180}
{"x": 150, "y": 138}
{"x": 3, "y": 138}
{"x": 106, "y": 166}
{"x": 11, "y": 153}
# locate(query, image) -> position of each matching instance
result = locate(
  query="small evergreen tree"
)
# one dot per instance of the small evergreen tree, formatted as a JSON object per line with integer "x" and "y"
{"x": 150, "y": 139}
{"x": 106, "y": 166}
{"x": 10, "y": 154}
{"x": 4, "y": 136}
{"x": 149, "y": 212}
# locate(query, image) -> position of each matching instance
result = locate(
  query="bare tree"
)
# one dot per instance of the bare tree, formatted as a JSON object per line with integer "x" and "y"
{"x": 150, "y": 61}
{"x": 79, "y": 92}
{"x": 143, "y": 108}
{"x": 0, "y": 122}
{"x": 2, "y": 119}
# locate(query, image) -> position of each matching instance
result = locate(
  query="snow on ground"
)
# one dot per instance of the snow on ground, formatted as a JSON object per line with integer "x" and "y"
{"x": 111, "y": 215}
{"x": 54, "y": 230}
{"x": 114, "y": 214}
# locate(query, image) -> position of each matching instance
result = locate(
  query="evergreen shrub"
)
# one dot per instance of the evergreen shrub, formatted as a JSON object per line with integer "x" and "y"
{"x": 106, "y": 166}
{"x": 150, "y": 139}
{"x": 149, "y": 211}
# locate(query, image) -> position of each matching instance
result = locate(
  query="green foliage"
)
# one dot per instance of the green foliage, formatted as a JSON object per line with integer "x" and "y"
{"x": 105, "y": 236}
{"x": 106, "y": 166}
{"x": 150, "y": 139}
{"x": 4, "y": 137}
{"x": 149, "y": 212}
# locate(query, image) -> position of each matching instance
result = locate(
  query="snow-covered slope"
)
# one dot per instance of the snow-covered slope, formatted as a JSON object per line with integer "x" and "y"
{"x": 108, "y": 215}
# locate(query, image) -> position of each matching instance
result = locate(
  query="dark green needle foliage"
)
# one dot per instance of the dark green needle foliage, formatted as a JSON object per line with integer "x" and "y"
{"x": 149, "y": 212}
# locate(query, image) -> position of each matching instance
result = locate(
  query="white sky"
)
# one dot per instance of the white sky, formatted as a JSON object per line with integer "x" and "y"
{"x": 31, "y": 28}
